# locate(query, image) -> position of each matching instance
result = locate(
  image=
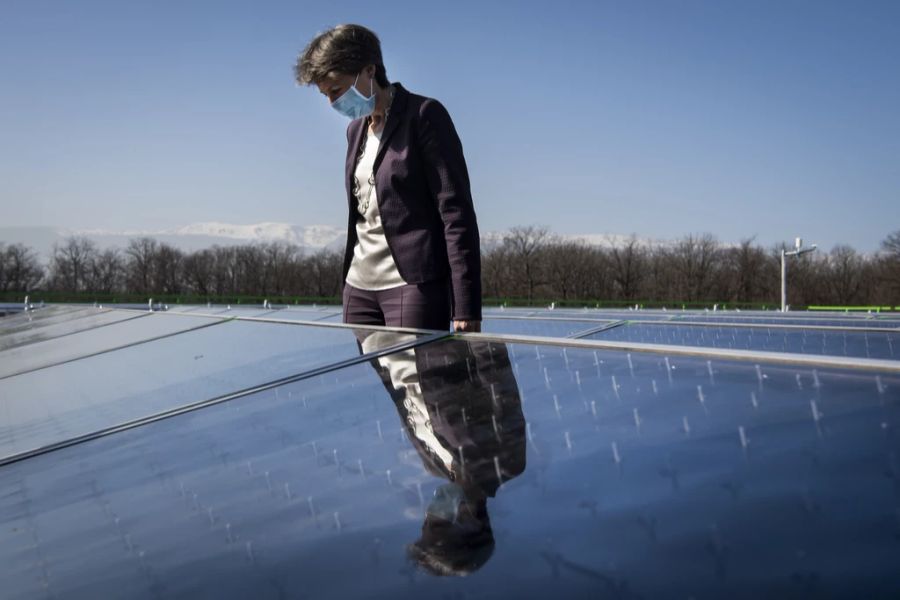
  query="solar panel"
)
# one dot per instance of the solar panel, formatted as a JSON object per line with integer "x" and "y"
{"x": 35, "y": 319}
{"x": 805, "y": 321}
{"x": 78, "y": 344}
{"x": 224, "y": 311}
{"x": 540, "y": 470}
{"x": 864, "y": 344}
{"x": 332, "y": 318}
{"x": 76, "y": 398}
{"x": 534, "y": 326}
{"x": 270, "y": 459}
{"x": 180, "y": 309}
{"x": 83, "y": 322}
{"x": 293, "y": 314}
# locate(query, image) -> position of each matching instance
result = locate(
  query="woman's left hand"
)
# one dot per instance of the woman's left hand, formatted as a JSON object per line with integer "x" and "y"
{"x": 471, "y": 326}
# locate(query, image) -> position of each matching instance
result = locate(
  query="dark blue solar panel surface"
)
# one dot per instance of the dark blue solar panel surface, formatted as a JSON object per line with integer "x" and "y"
{"x": 37, "y": 316}
{"x": 293, "y": 314}
{"x": 80, "y": 343}
{"x": 861, "y": 344}
{"x": 82, "y": 396}
{"x": 283, "y": 313}
{"x": 225, "y": 311}
{"x": 540, "y": 471}
{"x": 540, "y": 327}
{"x": 804, "y": 321}
{"x": 592, "y": 314}
{"x": 33, "y": 320}
{"x": 84, "y": 322}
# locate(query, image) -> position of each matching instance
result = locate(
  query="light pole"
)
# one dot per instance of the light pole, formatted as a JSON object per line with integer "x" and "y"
{"x": 797, "y": 251}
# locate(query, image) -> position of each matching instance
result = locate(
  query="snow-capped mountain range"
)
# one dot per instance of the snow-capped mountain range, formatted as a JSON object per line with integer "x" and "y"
{"x": 314, "y": 236}
{"x": 203, "y": 235}
{"x": 189, "y": 238}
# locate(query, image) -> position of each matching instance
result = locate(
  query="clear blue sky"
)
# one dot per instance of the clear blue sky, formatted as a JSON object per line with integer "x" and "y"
{"x": 768, "y": 118}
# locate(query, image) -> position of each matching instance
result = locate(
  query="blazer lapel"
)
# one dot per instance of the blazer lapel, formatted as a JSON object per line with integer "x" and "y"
{"x": 398, "y": 107}
{"x": 356, "y": 133}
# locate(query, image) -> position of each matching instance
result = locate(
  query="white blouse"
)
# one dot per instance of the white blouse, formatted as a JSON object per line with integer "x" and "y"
{"x": 373, "y": 266}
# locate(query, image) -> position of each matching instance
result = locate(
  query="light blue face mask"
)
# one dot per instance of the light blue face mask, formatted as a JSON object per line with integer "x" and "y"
{"x": 353, "y": 104}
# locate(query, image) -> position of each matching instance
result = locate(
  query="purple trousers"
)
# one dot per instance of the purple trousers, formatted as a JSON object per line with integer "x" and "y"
{"x": 417, "y": 305}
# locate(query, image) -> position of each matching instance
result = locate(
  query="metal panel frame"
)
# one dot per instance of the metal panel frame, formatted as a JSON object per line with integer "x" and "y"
{"x": 770, "y": 325}
{"x": 604, "y": 327}
{"x": 869, "y": 364}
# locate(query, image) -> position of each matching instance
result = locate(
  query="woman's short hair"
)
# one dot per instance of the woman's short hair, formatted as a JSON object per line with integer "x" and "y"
{"x": 343, "y": 49}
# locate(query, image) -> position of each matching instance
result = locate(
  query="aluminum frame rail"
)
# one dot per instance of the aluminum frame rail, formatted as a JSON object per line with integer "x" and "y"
{"x": 869, "y": 364}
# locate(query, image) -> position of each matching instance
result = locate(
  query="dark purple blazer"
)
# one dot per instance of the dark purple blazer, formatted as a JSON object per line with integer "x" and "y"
{"x": 422, "y": 187}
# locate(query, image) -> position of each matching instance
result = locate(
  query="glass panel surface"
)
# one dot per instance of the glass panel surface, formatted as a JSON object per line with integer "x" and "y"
{"x": 807, "y": 321}
{"x": 35, "y": 318}
{"x": 10, "y": 308}
{"x": 246, "y": 311}
{"x": 539, "y": 471}
{"x": 76, "y": 398}
{"x": 223, "y": 311}
{"x": 332, "y": 318}
{"x": 185, "y": 308}
{"x": 97, "y": 318}
{"x": 860, "y": 344}
{"x": 508, "y": 311}
{"x": 612, "y": 315}
{"x": 542, "y": 327}
{"x": 52, "y": 351}
{"x": 299, "y": 314}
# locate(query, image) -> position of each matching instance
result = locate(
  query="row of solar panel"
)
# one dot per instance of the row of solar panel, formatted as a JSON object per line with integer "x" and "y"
{"x": 698, "y": 477}
{"x": 164, "y": 361}
{"x": 333, "y": 314}
{"x": 837, "y": 340}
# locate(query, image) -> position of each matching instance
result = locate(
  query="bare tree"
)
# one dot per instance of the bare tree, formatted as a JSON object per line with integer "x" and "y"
{"x": 661, "y": 280}
{"x": 888, "y": 270}
{"x": 70, "y": 264}
{"x": 139, "y": 265}
{"x": 20, "y": 270}
{"x": 166, "y": 270}
{"x": 107, "y": 272}
{"x": 495, "y": 272}
{"x": 323, "y": 270}
{"x": 845, "y": 275}
{"x": 197, "y": 271}
{"x": 694, "y": 260}
{"x": 3, "y": 284}
{"x": 891, "y": 244}
{"x": 226, "y": 270}
{"x": 746, "y": 273}
{"x": 524, "y": 245}
{"x": 280, "y": 263}
{"x": 567, "y": 263}
{"x": 628, "y": 268}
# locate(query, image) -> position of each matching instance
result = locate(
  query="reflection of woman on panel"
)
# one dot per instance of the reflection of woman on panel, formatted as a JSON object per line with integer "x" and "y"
{"x": 413, "y": 257}
{"x": 459, "y": 403}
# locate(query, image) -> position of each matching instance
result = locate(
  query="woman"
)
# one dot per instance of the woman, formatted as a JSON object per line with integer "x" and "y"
{"x": 413, "y": 255}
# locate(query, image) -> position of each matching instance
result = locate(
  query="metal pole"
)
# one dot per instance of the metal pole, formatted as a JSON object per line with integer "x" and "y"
{"x": 783, "y": 284}
{"x": 798, "y": 250}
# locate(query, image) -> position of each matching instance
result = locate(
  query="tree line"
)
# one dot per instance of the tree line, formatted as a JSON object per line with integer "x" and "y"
{"x": 696, "y": 269}
{"x": 528, "y": 264}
